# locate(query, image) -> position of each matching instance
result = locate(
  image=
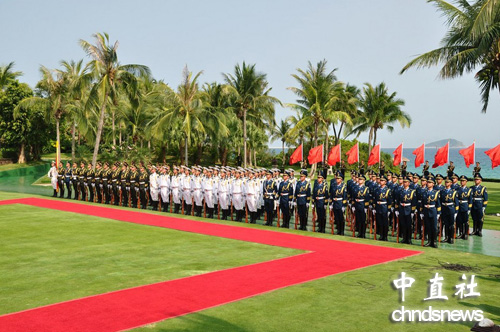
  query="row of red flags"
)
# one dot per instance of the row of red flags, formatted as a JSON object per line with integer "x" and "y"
{"x": 441, "y": 157}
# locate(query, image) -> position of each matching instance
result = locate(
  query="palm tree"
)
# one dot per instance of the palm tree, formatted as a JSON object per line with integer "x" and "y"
{"x": 281, "y": 132}
{"x": 346, "y": 108}
{"x": 250, "y": 92}
{"x": 473, "y": 40}
{"x": 53, "y": 100}
{"x": 7, "y": 75}
{"x": 379, "y": 109}
{"x": 110, "y": 75}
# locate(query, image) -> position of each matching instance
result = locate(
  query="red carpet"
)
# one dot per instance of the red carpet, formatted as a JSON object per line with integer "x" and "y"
{"x": 142, "y": 305}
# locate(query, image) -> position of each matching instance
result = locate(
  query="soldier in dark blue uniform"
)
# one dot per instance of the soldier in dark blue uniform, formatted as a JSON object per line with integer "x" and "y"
{"x": 431, "y": 211}
{"x": 302, "y": 197}
{"x": 406, "y": 206}
{"x": 285, "y": 192}
{"x": 449, "y": 210}
{"x": 68, "y": 178}
{"x": 270, "y": 194}
{"x": 479, "y": 203}
{"x": 419, "y": 216}
{"x": 361, "y": 203}
{"x": 454, "y": 180}
{"x": 320, "y": 200}
{"x": 464, "y": 194}
{"x": 438, "y": 182}
{"x": 426, "y": 169}
{"x": 382, "y": 200}
{"x": 338, "y": 201}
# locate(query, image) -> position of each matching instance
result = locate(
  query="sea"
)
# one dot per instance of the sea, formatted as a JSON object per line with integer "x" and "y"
{"x": 455, "y": 156}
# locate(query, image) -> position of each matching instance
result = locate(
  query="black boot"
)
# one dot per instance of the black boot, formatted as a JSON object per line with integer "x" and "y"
{"x": 55, "y": 193}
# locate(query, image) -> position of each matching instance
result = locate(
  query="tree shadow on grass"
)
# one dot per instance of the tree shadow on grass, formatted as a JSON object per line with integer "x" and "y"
{"x": 202, "y": 322}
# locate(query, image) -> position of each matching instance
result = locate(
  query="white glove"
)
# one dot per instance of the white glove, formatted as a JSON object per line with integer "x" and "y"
{"x": 277, "y": 202}
{"x": 331, "y": 207}
{"x": 374, "y": 212}
{"x": 468, "y": 213}
{"x": 307, "y": 205}
{"x": 290, "y": 204}
{"x": 295, "y": 204}
{"x": 366, "y": 210}
{"x": 343, "y": 209}
{"x": 484, "y": 209}
{"x": 455, "y": 217}
{"x": 353, "y": 209}
{"x": 397, "y": 213}
{"x": 422, "y": 216}
{"x": 388, "y": 214}
{"x": 413, "y": 214}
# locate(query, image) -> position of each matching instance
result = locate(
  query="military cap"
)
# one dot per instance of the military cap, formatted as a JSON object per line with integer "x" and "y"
{"x": 303, "y": 172}
{"x": 455, "y": 175}
{"x": 383, "y": 178}
{"x": 447, "y": 179}
{"x": 125, "y": 164}
{"x": 415, "y": 175}
{"x": 401, "y": 177}
{"x": 362, "y": 177}
{"x": 377, "y": 175}
{"x": 464, "y": 178}
{"x": 439, "y": 177}
{"x": 406, "y": 178}
{"x": 353, "y": 171}
{"x": 106, "y": 163}
{"x": 430, "y": 179}
{"x": 339, "y": 175}
{"x": 423, "y": 178}
{"x": 320, "y": 175}
{"x": 478, "y": 176}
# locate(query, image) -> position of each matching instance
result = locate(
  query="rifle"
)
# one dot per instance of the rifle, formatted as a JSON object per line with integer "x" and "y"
{"x": 192, "y": 206}
{"x": 182, "y": 209}
{"x": 296, "y": 217}
{"x": 440, "y": 229}
{"x": 397, "y": 225}
{"x": 416, "y": 226}
{"x": 120, "y": 201}
{"x": 246, "y": 213}
{"x": 231, "y": 211}
{"x": 218, "y": 211}
{"x": 204, "y": 209}
{"x": 370, "y": 218}
{"x": 423, "y": 233}
{"x": 353, "y": 224}
{"x": 374, "y": 227}
{"x": 171, "y": 202}
{"x": 393, "y": 222}
{"x": 278, "y": 222}
{"x": 314, "y": 219}
{"x": 332, "y": 221}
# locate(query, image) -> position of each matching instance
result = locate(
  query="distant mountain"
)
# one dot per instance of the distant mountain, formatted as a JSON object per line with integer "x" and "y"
{"x": 453, "y": 143}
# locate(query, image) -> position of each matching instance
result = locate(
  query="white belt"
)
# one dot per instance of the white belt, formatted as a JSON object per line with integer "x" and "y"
{"x": 429, "y": 206}
{"x": 478, "y": 199}
{"x": 142, "y": 182}
{"x": 381, "y": 203}
{"x": 360, "y": 200}
{"x": 405, "y": 204}
{"x": 320, "y": 198}
{"x": 236, "y": 193}
{"x": 461, "y": 202}
{"x": 285, "y": 194}
{"x": 338, "y": 199}
{"x": 301, "y": 195}
{"x": 447, "y": 204}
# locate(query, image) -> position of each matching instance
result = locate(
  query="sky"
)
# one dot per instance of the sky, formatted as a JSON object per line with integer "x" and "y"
{"x": 366, "y": 40}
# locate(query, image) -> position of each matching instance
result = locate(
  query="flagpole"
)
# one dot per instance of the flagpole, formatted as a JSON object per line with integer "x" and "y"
{"x": 379, "y": 161}
{"x": 448, "y": 152}
{"x": 474, "y": 149}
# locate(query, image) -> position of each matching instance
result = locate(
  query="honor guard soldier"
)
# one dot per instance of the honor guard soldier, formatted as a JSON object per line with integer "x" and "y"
{"x": 285, "y": 193}
{"x": 116, "y": 182}
{"x": 224, "y": 193}
{"x": 134, "y": 185}
{"x": 479, "y": 203}
{"x": 198, "y": 193}
{"x": 208, "y": 193}
{"x": 383, "y": 204}
{"x": 451, "y": 169}
{"x": 403, "y": 169}
{"x": 187, "y": 191}
{"x": 175, "y": 183}
{"x": 320, "y": 201}
{"x": 419, "y": 215}
{"x": 251, "y": 192}
{"x": 90, "y": 181}
{"x": 438, "y": 182}
{"x": 68, "y": 179}
{"x": 270, "y": 191}
{"x": 464, "y": 194}
{"x": 107, "y": 183}
{"x": 302, "y": 197}
{"x": 406, "y": 205}
{"x": 60, "y": 179}
{"x": 449, "y": 210}
{"x": 237, "y": 195}
{"x": 454, "y": 182}
{"x": 338, "y": 200}
{"x": 431, "y": 210}
{"x": 143, "y": 187}
{"x": 164, "y": 183}
{"x": 53, "y": 177}
{"x": 75, "y": 172}
{"x": 477, "y": 169}
{"x": 361, "y": 203}
{"x": 125, "y": 184}
{"x": 426, "y": 169}
{"x": 98, "y": 181}
{"x": 82, "y": 179}
{"x": 382, "y": 168}
{"x": 154, "y": 187}
{"x": 293, "y": 181}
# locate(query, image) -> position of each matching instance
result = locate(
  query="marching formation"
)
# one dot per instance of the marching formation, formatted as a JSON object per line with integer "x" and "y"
{"x": 426, "y": 207}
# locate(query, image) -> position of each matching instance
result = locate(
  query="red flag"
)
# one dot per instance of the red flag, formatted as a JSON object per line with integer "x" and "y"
{"x": 419, "y": 155}
{"x": 334, "y": 155}
{"x": 398, "y": 155}
{"x": 353, "y": 155}
{"x": 441, "y": 156}
{"x": 296, "y": 155}
{"x": 315, "y": 155}
{"x": 374, "y": 157}
{"x": 494, "y": 155}
{"x": 468, "y": 154}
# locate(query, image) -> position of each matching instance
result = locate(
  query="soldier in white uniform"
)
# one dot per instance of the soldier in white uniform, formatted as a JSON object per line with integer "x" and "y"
{"x": 187, "y": 191}
{"x": 164, "y": 182}
{"x": 237, "y": 195}
{"x": 224, "y": 193}
{"x": 208, "y": 191}
{"x": 154, "y": 187}
{"x": 175, "y": 187}
{"x": 53, "y": 177}
{"x": 251, "y": 191}
{"x": 216, "y": 179}
{"x": 197, "y": 191}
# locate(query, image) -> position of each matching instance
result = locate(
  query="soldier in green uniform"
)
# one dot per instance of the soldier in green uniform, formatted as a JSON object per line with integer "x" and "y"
{"x": 125, "y": 184}
{"x": 143, "y": 187}
{"x": 82, "y": 177}
{"x": 75, "y": 172}
{"x": 116, "y": 182}
{"x": 106, "y": 182}
{"x": 68, "y": 177}
{"x": 134, "y": 185}
{"x": 90, "y": 181}
{"x": 98, "y": 181}
{"x": 60, "y": 179}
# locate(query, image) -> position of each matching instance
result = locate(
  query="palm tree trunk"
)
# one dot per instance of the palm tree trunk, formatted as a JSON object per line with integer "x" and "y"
{"x": 120, "y": 136}
{"x": 113, "y": 126}
{"x": 255, "y": 157}
{"x": 326, "y": 143}
{"x": 73, "y": 141}
{"x": 370, "y": 136}
{"x": 374, "y": 136}
{"x": 283, "y": 151}
{"x": 245, "y": 137}
{"x": 58, "y": 142}
{"x": 186, "y": 151}
{"x": 100, "y": 125}
{"x": 22, "y": 155}
{"x": 335, "y": 134}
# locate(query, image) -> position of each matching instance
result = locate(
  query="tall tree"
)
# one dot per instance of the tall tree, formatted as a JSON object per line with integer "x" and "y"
{"x": 379, "y": 110}
{"x": 110, "y": 75}
{"x": 472, "y": 41}
{"x": 250, "y": 95}
{"x": 7, "y": 75}
{"x": 281, "y": 132}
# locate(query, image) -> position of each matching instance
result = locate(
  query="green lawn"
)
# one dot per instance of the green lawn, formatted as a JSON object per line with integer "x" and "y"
{"x": 9, "y": 167}
{"x": 51, "y": 256}
{"x": 87, "y": 255}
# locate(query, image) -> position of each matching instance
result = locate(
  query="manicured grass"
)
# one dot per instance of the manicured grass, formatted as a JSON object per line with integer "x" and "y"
{"x": 51, "y": 256}
{"x": 9, "y": 167}
{"x": 52, "y": 156}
